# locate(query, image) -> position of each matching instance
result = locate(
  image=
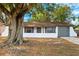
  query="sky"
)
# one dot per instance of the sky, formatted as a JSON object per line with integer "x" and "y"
{"x": 75, "y": 11}
{"x": 73, "y": 6}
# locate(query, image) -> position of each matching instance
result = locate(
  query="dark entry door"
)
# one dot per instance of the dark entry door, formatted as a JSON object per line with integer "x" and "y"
{"x": 63, "y": 31}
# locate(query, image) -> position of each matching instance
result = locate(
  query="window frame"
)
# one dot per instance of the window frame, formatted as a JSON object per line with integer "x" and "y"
{"x": 40, "y": 30}
{"x": 29, "y": 29}
{"x": 48, "y": 28}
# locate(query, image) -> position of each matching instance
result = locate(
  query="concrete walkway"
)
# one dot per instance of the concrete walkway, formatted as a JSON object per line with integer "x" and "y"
{"x": 72, "y": 39}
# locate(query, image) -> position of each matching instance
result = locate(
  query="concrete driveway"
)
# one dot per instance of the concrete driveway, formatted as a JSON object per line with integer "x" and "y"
{"x": 72, "y": 39}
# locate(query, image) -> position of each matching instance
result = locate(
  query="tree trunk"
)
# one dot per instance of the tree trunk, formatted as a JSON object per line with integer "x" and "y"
{"x": 15, "y": 31}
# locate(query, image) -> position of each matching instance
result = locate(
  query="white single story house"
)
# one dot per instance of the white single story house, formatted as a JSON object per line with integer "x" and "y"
{"x": 45, "y": 30}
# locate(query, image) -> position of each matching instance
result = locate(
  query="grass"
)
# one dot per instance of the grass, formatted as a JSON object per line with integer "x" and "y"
{"x": 42, "y": 47}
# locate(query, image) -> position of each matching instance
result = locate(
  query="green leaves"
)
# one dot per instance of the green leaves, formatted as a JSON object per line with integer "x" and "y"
{"x": 39, "y": 16}
{"x": 61, "y": 13}
{"x": 55, "y": 12}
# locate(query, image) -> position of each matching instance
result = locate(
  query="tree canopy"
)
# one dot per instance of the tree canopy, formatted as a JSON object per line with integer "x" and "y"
{"x": 52, "y": 11}
{"x": 61, "y": 13}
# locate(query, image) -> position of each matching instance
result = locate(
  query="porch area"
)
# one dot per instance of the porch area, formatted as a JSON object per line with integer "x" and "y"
{"x": 40, "y": 32}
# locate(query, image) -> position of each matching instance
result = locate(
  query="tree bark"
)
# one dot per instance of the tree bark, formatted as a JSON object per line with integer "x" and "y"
{"x": 15, "y": 31}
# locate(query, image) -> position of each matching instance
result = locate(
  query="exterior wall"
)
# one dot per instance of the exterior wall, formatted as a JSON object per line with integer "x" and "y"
{"x": 57, "y": 31}
{"x": 35, "y": 35}
{"x": 40, "y": 35}
{"x": 72, "y": 32}
{"x": 34, "y": 30}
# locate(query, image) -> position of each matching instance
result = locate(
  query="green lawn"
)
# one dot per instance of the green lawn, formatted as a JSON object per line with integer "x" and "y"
{"x": 42, "y": 47}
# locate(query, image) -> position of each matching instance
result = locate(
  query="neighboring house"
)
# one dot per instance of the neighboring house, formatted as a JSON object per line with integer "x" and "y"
{"x": 77, "y": 31}
{"x": 46, "y": 30}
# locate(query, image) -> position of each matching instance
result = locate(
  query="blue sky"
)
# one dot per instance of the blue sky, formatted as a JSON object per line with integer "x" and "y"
{"x": 75, "y": 11}
{"x": 73, "y": 6}
{"x": 27, "y": 17}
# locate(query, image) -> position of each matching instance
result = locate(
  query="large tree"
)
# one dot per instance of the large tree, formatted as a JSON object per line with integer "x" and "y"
{"x": 14, "y": 14}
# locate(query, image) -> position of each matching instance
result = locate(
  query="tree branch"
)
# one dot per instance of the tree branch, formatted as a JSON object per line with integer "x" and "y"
{"x": 17, "y": 9}
{"x": 24, "y": 10}
{"x": 1, "y": 20}
{"x": 4, "y": 10}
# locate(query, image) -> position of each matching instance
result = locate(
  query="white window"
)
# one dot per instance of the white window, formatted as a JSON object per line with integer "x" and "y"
{"x": 28, "y": 29}
{"x": 50, "y": 29}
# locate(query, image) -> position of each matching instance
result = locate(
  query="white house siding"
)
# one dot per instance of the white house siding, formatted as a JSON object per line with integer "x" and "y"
{"x": 40, "y": 35}
{"x": 57, "y": 31}
{"x": 34, "y": 30}
{"x": 72, "y": 32}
